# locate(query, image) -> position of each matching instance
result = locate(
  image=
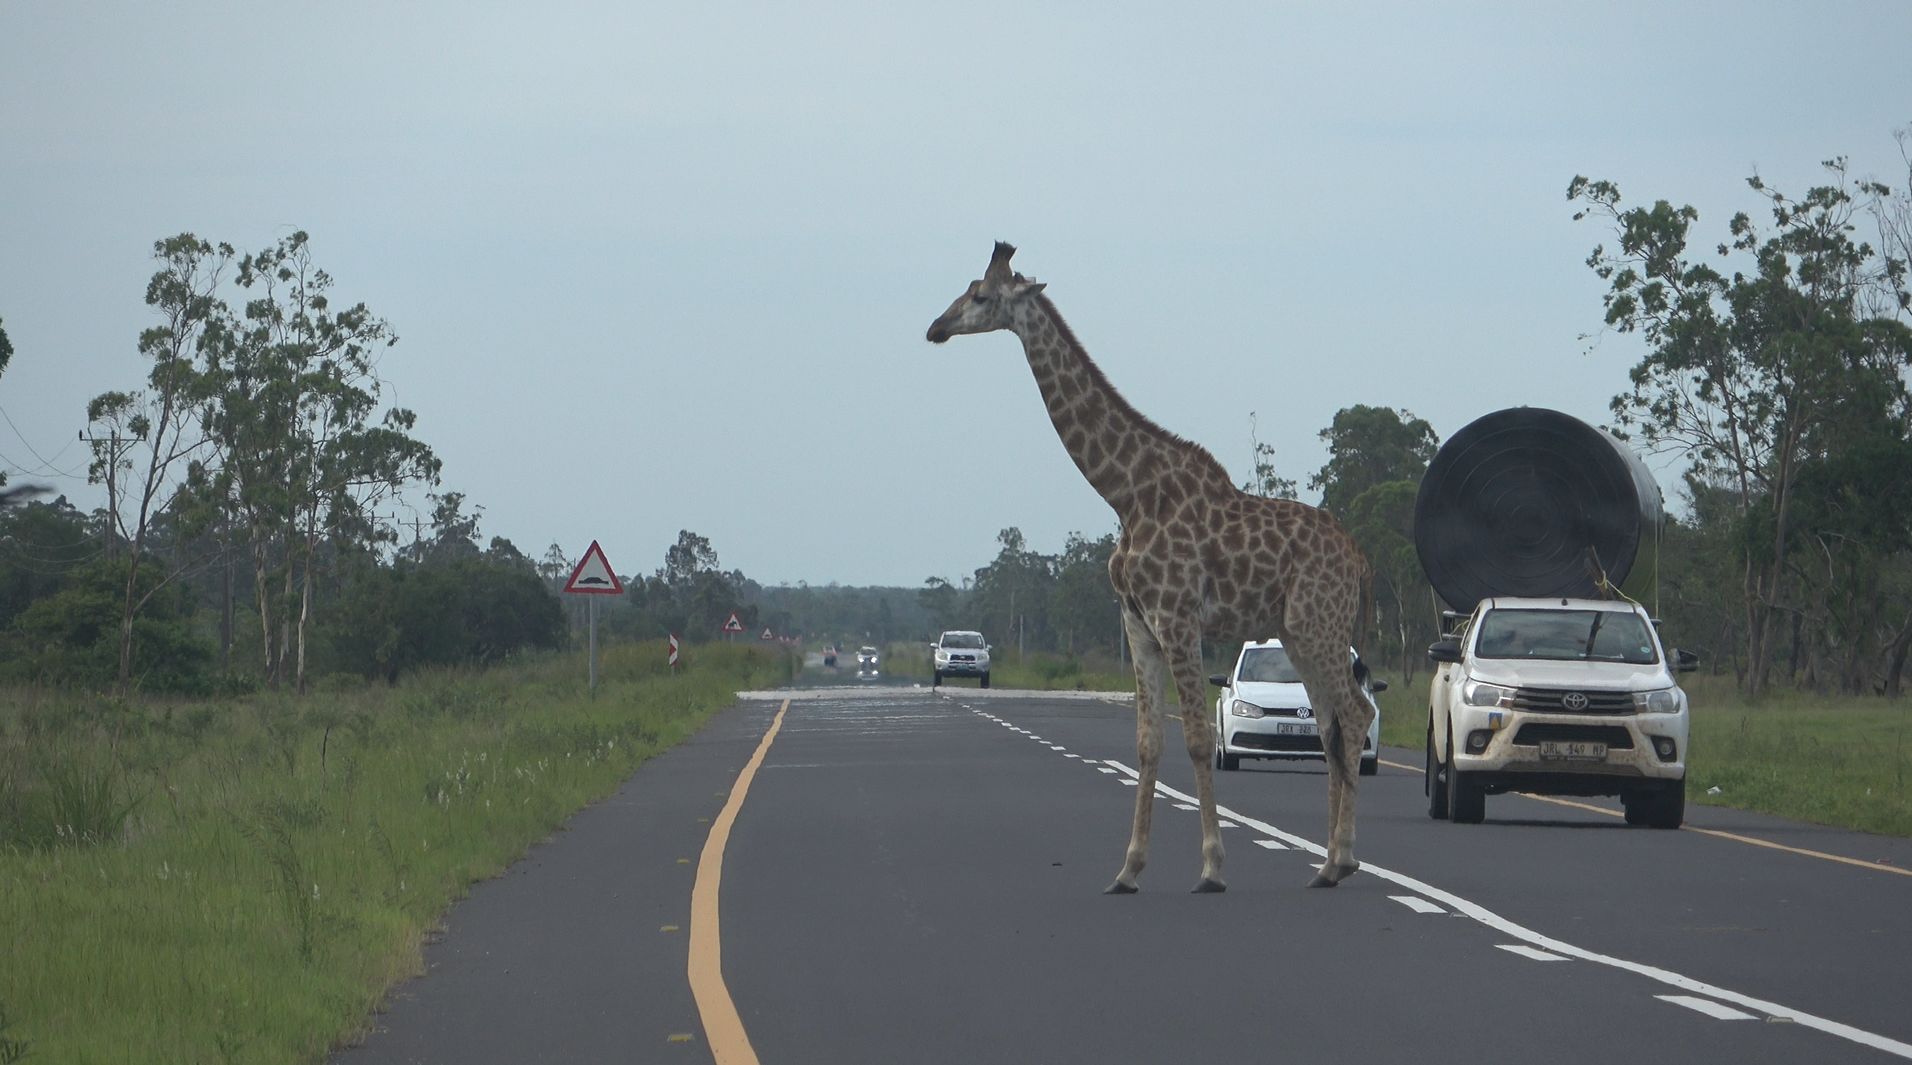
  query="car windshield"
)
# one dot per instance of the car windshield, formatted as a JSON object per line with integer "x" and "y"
{"x": 1566, "y": 635}
{"x": 1266, "y": 664}
{"x": 962, "y": 639}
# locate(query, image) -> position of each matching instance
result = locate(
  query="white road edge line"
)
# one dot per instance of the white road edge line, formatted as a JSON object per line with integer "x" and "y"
{"x": 1708, "y": 1007}
{"x": 1501, "y": 924}
{"x": 1416, "y": 903}
{"x": 1529, "y": 952}
{"x": 1271, "y": 844}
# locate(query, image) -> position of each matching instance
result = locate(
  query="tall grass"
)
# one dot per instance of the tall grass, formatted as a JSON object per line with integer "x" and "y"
{"x": 242, "y": 881}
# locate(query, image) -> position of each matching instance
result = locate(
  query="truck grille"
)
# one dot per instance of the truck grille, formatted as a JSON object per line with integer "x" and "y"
{"x": 1558, "y": 700}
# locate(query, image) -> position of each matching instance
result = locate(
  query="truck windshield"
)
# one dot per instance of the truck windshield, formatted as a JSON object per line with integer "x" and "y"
{"x": 1566, "y": 635}
{"x": 1268, "y": 665}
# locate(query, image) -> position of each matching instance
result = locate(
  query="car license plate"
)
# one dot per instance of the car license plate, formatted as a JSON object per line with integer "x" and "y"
{"x": 1573, "y": 751}
{"x": 1295, "y": 728}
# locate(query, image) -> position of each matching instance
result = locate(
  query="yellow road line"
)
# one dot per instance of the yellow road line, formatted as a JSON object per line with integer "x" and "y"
{"x": 723, "y": 1028}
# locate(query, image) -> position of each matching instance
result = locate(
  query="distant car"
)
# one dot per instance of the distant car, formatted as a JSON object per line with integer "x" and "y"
{"x": 866, "y": 661}
{"x": 1264, "y": 711}
{"x": 959, "y": 653}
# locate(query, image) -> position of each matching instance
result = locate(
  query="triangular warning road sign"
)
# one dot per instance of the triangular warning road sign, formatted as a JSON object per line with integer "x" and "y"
{"x": 733, "y": 625}
{"x": 767, "y": 635}
{"x": 594, "y": 575}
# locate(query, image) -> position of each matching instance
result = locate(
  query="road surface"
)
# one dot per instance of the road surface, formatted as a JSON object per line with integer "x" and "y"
{"x": 897, "y": 875}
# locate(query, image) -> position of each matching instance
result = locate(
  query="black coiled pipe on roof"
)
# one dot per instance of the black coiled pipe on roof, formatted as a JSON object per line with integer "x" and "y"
{"x": 1514, "y": 500}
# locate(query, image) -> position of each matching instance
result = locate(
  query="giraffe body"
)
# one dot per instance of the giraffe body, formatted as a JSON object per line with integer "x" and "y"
{"x": 1195, "y": 556}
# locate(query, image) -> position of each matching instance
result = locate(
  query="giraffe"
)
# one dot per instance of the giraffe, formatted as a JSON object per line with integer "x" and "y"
{"x": 1195, "y": 554}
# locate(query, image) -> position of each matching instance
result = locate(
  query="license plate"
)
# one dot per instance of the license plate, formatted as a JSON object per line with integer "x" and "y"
{"x": 1295, "y": 728}
{"x": 1573, "y": 751}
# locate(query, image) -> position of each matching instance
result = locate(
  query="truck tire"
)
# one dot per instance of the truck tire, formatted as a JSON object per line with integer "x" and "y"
{"x": 1663, "y": 807}
{"x": 1435, "y": 783}
{"x": 985, "y": 680}
{"x": 936, "y": 678}
{"x": 1466, "y": 799}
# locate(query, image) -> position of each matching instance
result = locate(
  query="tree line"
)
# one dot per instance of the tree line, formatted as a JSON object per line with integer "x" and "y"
{"x": 249, "y": 533}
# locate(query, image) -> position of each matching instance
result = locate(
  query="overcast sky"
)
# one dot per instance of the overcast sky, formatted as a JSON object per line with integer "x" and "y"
{"x": 668, "y": 266}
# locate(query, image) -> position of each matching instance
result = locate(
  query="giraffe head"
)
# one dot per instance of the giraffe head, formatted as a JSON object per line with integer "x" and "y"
{"x": 988, "y": 304}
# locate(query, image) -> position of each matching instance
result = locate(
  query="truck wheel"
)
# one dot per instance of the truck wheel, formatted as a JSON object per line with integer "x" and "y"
{"x": 1466, "y": 799}
{"x": 937, "y": 678}
{"x": 1435, "y": 783}
{"x": 1667, "y": 807}
{"x": 985, "y": 680}
{"x": 1370, "y": 766}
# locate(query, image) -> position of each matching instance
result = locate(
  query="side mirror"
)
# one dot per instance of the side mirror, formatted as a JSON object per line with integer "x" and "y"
{"x": 1219, "y": 680}
{"x": 1379, "y": 685}
{"x": 1685, "y": 661}
{"x": 1444, "y": 651}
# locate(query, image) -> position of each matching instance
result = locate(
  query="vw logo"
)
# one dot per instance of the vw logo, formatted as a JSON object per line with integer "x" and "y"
{"x": 1303, "y": 712}
{"x": 1575, "y": 701}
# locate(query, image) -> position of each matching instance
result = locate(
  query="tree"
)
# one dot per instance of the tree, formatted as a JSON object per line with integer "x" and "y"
{"x": 1084, "y": 608}
{"x": 304, "y": 454}
{"x": 1755, "y": 373}
{"x": 9, "y": 496}
{"x": 1016, "y": 588}
{"x": 1265, "y": 481}
{"x": 940, "y": 600}
{"x": 164, "y": 422}
{"x": 1368, "y": 446}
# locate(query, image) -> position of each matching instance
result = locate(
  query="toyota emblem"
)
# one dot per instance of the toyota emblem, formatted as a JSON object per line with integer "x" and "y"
{"x": 1575, "y": 701}
{"x": 1303, "y": 712}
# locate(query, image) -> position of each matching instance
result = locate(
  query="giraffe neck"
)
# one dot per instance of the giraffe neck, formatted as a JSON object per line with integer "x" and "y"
{"x": 1120, "y": 452}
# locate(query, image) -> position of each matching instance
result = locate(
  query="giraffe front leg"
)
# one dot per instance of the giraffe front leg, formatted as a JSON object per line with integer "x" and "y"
{"x": 1147, "y": 656}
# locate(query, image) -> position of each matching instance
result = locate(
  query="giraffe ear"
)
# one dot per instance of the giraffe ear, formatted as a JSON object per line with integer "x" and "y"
{"x": 1025, "y": 287}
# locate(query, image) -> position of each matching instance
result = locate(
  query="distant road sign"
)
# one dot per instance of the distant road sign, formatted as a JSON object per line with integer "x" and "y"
{"x": 594, "y": 575}
{"x": 733, "y": 625}
{"x": 767, "y": 635}
{"x": 672, "y": 645}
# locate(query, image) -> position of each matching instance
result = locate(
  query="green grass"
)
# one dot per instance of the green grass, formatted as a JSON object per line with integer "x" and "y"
{"x": 242, "y": 881}
{"x": 1834, "y": 760}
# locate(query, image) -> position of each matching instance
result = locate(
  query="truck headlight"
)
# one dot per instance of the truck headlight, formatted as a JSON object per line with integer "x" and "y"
{"x": 1480, "y": 693}
{"x": 1658, "y": 701}
{"x": 1240, "y": 708}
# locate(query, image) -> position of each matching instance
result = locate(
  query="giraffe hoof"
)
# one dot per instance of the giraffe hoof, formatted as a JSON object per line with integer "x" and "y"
{"x": 1330, "y": 875}
{"x": 1119, "y": 888}
{"x": 1208, "y": 887}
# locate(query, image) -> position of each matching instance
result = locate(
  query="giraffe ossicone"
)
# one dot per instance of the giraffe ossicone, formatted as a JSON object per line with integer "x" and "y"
{"x": 1195, "y": 555}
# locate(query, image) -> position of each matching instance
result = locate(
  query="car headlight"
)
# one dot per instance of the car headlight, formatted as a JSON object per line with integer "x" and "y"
{"x": 1480, "y": 693}
{"x": 942, "y": 656}
{"x": 1659, "y": 701}
{"x": 1242, "y": 708}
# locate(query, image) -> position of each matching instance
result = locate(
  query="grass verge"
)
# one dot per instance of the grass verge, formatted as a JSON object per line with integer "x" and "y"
{"x": 243, "y": 881}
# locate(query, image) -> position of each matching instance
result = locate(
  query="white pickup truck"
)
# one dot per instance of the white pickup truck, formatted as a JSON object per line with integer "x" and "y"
{"x": 1559, "y": 697}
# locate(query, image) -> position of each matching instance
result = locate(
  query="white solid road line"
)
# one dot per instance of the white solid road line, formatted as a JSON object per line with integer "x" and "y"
{"x": 1509, "y": 928}
{"x": 1529, "y": 952}
{"x": 1708, "y": 1007}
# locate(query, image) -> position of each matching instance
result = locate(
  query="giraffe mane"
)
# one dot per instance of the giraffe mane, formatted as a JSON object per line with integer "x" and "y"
{"x": 1102, "y": 381}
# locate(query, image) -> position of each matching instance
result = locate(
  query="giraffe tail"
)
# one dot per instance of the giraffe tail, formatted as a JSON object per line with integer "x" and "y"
{"x": 1363, "y": 623}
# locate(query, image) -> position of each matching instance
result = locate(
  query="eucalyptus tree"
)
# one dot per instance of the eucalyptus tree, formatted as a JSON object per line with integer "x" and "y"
{"x": 149, "y": 446}
{"x": 1756, "y": 373}
{"x": 305, "y": 452}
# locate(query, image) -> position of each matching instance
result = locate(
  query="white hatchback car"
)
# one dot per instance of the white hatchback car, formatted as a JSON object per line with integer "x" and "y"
{"x": 1264, "y": 711}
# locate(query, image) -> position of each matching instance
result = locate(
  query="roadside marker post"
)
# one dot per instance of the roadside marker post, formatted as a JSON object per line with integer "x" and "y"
{"x": 593, "y": 576}
{"x": 671, "y": 646}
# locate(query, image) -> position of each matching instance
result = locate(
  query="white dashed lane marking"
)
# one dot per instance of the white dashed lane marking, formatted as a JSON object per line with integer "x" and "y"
{"x": 1417, "y": 904}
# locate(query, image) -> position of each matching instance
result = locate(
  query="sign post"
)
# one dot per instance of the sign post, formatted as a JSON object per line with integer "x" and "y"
{"x": 593, "y": 577}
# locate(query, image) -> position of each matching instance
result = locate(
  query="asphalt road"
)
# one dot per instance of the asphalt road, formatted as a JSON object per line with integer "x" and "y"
{"x": 916, "y": 877}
